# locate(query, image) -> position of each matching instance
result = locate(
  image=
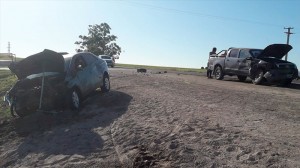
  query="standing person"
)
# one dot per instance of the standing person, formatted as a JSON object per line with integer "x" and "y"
{"x": 214, "y": 50}
{"x": 209, "y": 69}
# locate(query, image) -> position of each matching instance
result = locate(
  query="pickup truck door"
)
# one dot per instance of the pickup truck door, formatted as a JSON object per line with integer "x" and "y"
{"x": 243, "y": 63}
{"x": 231, "y": 61}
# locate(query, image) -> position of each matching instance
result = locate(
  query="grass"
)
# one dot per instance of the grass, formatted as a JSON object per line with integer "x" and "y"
{"x": 160, "y": 68}
{"x": 4, "y": 57}
{"x": 7, "y": 80}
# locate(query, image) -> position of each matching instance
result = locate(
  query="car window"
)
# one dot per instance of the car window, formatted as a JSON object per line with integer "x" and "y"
{"x": 244, "y": 53}
{"x": 67, "y": 63}
{"x": 89, "y": 58}
{"x": 80, "y": 61}
{"x": 233, "y": 53}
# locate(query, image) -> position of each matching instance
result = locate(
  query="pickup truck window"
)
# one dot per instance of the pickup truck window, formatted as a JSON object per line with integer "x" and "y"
{"x": 244, "y": 54}
{"x": 234, "y": 53}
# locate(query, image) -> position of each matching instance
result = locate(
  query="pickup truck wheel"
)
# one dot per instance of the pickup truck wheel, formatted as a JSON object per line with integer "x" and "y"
{"x": 219, "y": 75}
{"x": 242, "y": 78}
{"x": 106, "y": 84}
{"x": 259, "y": 77}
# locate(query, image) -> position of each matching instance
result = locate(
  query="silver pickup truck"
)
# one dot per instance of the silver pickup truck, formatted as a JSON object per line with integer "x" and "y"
{"x": 260, "y": 65}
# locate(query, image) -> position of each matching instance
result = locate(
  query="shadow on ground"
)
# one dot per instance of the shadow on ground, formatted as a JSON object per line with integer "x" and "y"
{"x": 63, "y": 134}
{"x": 294, "y": 85}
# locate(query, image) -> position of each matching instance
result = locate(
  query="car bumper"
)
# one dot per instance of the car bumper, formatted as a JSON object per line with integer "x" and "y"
{"x": 110, "y": 63}
{"x": 281, "y": 75}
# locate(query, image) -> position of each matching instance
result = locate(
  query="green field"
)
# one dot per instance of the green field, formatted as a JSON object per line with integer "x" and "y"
{"x": 160, "y": 68}
{"x": 7, "y": 80}
{"x": 4, "y": 57}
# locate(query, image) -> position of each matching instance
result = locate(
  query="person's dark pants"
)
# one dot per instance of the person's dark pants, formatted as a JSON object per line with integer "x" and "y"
{"x": 208, "y": 73}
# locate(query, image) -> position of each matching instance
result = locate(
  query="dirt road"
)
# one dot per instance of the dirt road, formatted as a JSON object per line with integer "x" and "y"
{"x": 164, "y": 120}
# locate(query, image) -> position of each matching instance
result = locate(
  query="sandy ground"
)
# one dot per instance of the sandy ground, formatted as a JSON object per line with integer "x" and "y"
{"x": 164, "y": 120}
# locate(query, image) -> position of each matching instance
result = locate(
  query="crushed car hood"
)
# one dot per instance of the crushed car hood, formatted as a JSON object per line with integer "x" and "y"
{"x": 46, "y": 61}
{"x": 275, "y": 50}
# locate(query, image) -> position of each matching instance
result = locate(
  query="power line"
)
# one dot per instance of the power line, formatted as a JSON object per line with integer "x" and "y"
{"x": 201, "y": 14}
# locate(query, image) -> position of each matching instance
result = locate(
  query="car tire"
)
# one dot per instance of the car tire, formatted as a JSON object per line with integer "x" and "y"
{"x": 242, "y": 78}
{"x": 106, "y": 84}
{"x": 218, "y": 72}
{"x": 20, "y": 112}
{"x": 74, "y": 98}
{"x": 258, "y": 77}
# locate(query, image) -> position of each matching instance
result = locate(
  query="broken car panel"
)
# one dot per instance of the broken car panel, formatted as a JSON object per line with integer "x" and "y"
{"x": 48, "y": 81}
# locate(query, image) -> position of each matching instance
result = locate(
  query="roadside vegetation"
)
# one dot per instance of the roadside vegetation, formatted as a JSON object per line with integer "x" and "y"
{"x": 7, "y": 80}
{"x": 160, "y": 68}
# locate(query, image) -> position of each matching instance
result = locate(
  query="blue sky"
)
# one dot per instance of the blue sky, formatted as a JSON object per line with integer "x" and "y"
{"x": 177, "y": 33}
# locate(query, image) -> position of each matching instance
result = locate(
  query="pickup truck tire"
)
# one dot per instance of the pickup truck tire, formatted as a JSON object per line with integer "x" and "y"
{"x": 219, "y": 75}
{"x": 258, "y": 77}
{"x": 242, "y": 78}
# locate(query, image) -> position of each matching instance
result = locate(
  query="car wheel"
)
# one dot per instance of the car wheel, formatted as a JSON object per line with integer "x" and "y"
{"x": 259, "y": 77}
{"x": 23, "y": 111}
{"x": 106, "y": 84}
{"x": 20, "y": 112}
{"x": 242, "y": 78}
{"x": 219, "y": 75}
{"x": 74, "y": 100}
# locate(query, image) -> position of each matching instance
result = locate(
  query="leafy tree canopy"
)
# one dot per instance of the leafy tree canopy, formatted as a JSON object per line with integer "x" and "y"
{"x": 99, "y": 41}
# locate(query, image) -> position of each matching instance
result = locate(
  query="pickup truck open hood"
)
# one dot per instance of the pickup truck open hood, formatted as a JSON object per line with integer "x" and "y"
{"x": 46, "y": 61}
{"x": 275, "y": 50}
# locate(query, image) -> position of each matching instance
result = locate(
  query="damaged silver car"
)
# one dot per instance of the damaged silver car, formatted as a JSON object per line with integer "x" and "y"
{"x": 47, "y": 81}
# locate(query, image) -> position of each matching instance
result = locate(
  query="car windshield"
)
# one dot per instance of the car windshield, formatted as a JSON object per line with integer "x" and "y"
{"x": 255, "y": 52}
{"x": 67, "y": 63}
{"x": 105, "y": 57}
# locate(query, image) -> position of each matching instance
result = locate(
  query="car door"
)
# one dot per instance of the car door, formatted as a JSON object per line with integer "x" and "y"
{"x": 243, "y": 63}
{"x": 82, "y": 74}
{"x": 231, "y": 62}
{"x": 93, "y": 72}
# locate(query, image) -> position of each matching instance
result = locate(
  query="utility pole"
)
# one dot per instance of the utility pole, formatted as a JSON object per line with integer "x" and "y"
{"x": 288, "y": 38}
{"x": 9, "y": 54}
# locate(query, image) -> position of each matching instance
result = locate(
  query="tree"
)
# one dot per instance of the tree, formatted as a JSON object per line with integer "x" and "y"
{"x": 99, "y": 41}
